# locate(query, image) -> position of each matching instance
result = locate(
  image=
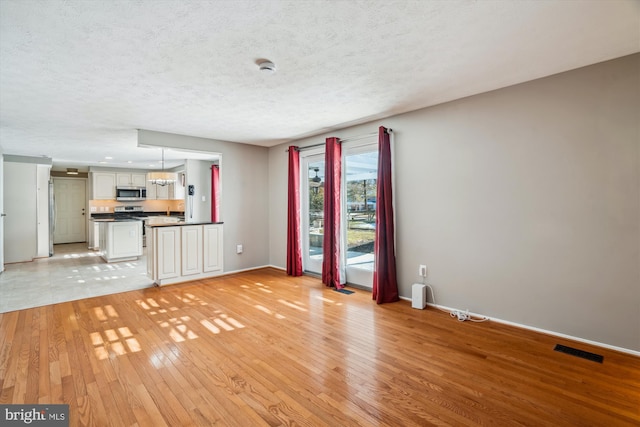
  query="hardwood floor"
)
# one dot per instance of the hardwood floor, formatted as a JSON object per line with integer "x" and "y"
{"x": 263, "y": 349}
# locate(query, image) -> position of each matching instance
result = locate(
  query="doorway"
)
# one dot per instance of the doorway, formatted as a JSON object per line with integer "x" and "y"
{"x": 69, "y": 207}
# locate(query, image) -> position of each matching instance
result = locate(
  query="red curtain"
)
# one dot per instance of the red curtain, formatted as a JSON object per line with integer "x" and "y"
{"x": 294, "y": 248}
{"x": 331, "y": 239}
{"x": 385, "y": 284}
{"x": 215, "y": 193}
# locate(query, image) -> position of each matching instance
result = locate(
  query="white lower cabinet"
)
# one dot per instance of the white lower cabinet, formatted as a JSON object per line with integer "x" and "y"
{"x": 120, "y": 240}
{"x": 212, "y": 255}
{"x": 168, "y": 239}
{"x": 94, "y": 235}
{"x": 184, "y": 252}
{"x": 191, "y": 250}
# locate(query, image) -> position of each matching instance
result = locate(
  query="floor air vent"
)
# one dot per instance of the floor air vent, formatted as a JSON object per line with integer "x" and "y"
{"x": 579, "y": 353}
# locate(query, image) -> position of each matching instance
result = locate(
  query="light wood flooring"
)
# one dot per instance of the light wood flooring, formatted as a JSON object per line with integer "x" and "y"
{"x": 263, "y": 349}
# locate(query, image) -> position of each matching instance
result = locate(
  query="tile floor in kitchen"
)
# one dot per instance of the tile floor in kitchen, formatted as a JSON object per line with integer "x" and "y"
{"x": 74, "y": 272}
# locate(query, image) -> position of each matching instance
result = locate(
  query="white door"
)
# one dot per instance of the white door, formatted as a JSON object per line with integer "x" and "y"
{"x": 70, "y": 196}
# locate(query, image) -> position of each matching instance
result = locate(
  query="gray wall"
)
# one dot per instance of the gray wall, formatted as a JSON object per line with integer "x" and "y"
{"x": 524, "y": 203}
{"x": 244, "y": 194}
{"x": 198, "y": 174}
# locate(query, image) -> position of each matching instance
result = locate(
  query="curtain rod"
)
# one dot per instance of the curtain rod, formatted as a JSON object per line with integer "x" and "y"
{"x": 355, "y": 138}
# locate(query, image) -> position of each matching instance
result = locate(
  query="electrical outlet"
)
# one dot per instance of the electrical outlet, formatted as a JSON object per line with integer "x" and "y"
{"x": 422, "y": 270}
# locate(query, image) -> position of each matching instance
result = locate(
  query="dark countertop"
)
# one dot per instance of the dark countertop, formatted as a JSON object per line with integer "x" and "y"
{"x": 141, "y": 214}
{"x": 180, "y": 223}
{"x": 115, "y": 219}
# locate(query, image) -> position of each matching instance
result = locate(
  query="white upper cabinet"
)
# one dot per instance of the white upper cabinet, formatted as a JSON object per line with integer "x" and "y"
{"x": 104, "y": 185}
{"x": 162, "y": 192}
{"x": 178, "y": 188}
{"x": 131, "y": 179}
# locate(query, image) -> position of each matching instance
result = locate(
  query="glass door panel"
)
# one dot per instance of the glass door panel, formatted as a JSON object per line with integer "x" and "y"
{"x": 359, "y": 215}
{"x": 312, "y": 195}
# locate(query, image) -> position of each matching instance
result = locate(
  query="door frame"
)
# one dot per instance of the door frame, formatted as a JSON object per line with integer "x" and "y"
{"x": 308, "y": 156}
{"x": 355, "y": 276}
{"x": 87, "y": 213}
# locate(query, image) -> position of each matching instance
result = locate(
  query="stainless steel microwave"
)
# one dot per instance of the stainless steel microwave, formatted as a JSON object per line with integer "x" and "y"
{"x": 131, "y": 193}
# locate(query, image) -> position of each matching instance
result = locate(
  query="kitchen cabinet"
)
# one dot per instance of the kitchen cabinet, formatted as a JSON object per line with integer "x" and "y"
{"x": 212, "y": 254}
{"x": 162, "y": 192}
{"x": 183, "y": 252}
{"x": 104, "y": 185}
{"x": 131, "y": 179}
{"x": 120, "y": 240}
{"x": 94, "y": 235}
{"x": 177, "y": 191}
{"x": 166, "y": 253}
{"x": 191, "y": 250}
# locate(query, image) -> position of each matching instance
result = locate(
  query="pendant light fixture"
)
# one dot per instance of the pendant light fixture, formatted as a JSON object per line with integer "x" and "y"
{"x": 161, "y": 178}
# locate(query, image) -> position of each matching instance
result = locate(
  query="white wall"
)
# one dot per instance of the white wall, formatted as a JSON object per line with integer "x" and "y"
{"x": 524, "y": 202}
{"x": 42, "y": 208}
{"x": 244, "y": 194}
{"x": 20, "y": 206}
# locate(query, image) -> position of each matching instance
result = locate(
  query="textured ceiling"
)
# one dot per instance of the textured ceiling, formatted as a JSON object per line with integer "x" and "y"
{"x": 77, "y": 78}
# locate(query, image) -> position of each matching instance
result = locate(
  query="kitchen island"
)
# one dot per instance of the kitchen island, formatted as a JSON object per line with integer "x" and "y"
{"x": 183, "y": 251}
{"x": 119, "y": 239}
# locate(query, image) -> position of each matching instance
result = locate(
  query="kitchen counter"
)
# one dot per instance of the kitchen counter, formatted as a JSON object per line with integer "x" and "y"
{"x": 115, "y": 219}
{"x": 167, "y": 222}
{"x": 119, "y": 239}
{"x": 184, "y": 251}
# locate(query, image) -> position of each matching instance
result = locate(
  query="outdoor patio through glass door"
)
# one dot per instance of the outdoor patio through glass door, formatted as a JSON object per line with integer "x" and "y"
{"x": 312, "y": 196}
{"x": 360, "y": 173}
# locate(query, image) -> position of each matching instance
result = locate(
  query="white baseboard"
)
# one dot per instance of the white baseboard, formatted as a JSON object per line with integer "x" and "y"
{"x": 539, "y": 330}
{"x": 227, "y": 273}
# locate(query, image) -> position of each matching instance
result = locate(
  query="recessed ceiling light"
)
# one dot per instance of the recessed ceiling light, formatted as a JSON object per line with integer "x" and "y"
{"x": 109, "y": 158}
{"x": 102, "y": 162}
{"x": 129, "y": 161}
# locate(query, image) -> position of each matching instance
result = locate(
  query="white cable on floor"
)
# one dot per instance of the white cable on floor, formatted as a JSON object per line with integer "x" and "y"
{"x": 460, "y": 315}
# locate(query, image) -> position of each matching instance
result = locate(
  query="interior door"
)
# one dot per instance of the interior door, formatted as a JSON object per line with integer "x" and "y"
{"x": 70, "y": 196}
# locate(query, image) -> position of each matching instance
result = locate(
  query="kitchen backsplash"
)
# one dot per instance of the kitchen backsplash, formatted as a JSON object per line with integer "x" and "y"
{"x": 106, "y": 206}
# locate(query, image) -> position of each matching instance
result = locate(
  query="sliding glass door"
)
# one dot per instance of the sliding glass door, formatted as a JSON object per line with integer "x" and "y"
{"x": 360, "y": 171}
{"x": 312, "y": 196}
{"x": 359, "y": 179}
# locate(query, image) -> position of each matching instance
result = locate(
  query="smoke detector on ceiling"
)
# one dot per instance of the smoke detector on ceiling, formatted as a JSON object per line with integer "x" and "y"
{"x": 267, "y": 67}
